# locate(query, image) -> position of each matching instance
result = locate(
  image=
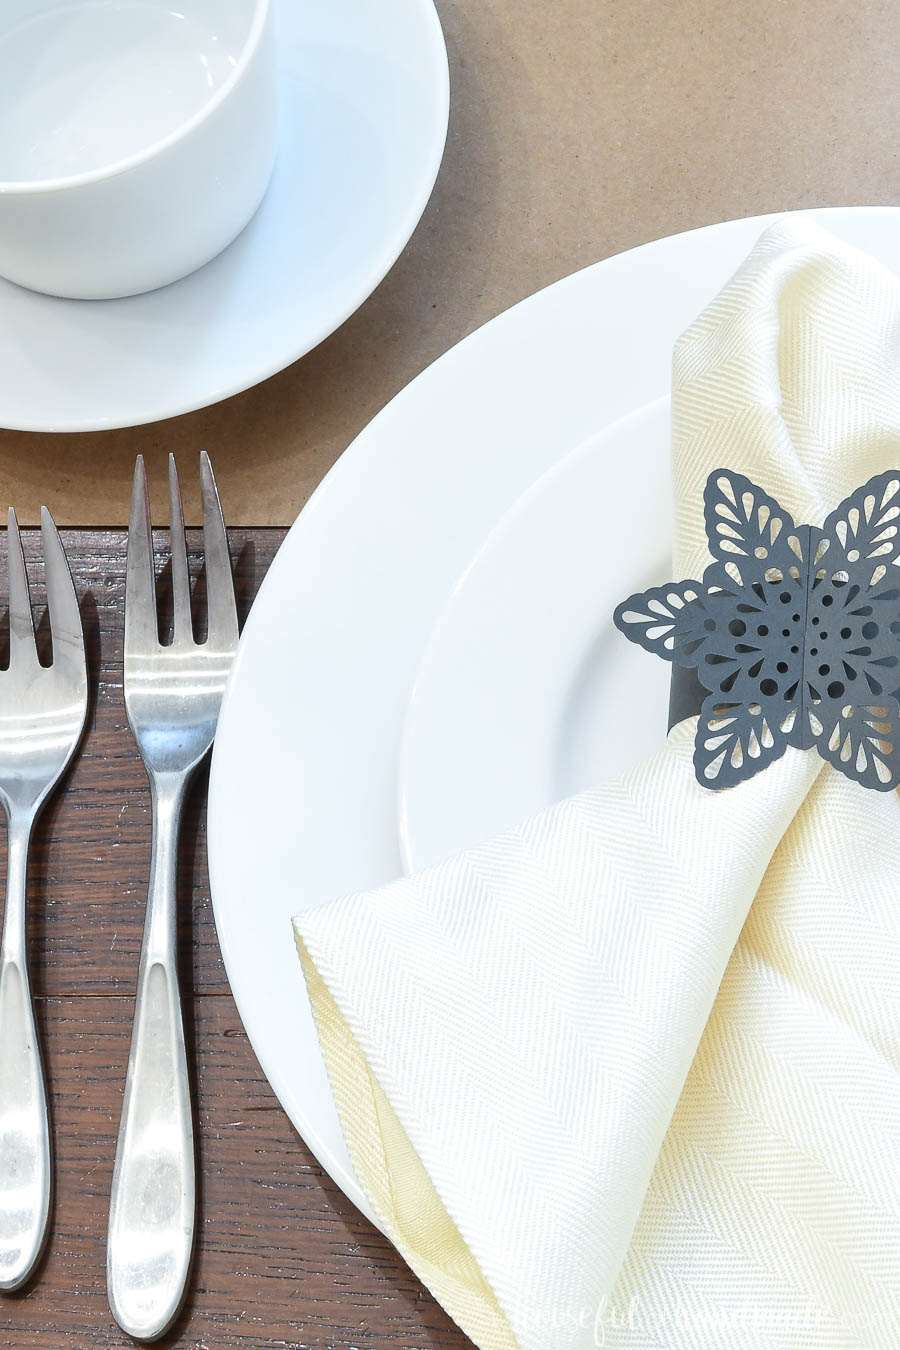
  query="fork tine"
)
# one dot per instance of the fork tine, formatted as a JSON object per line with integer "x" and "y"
{"x": 141, "y": 628}
{"x": 21, "y": 624}
{"x": 181, "y": 586}
{"x": 65, "y": 617}
{"x": 223, "y": 624}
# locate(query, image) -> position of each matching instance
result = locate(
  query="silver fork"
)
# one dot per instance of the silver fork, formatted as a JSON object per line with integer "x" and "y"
{"x": 172, "y": 698}
{"x": 42, "y": 715}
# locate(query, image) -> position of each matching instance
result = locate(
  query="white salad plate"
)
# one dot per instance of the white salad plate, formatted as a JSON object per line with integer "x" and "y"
{"x": 304, "y": 784}
{"x": 527, "y": 692}
{"x": 363, "y": 96}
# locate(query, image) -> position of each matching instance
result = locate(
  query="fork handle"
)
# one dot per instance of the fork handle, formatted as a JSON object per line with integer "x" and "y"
{"x": 24, "y": 1130}
{"x": 152, "y": 1204}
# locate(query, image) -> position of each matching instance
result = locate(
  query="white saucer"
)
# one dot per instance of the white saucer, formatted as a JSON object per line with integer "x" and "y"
{"x": 364, "y": 104}
{"x": 526, "y": 692}
{"x": 303, "y": 792}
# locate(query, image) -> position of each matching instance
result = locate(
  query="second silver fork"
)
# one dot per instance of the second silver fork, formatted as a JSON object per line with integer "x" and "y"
{"x": 172, "y": 698}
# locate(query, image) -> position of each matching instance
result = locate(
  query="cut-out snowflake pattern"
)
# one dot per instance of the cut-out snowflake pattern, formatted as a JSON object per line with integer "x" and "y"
{"x": 794, "y": 632}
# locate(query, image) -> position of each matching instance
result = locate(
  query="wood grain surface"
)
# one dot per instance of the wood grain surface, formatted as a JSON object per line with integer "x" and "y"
{"x": 283, "y": 1259}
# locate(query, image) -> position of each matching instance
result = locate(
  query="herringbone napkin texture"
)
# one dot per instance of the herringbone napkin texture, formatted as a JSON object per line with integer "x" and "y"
{"x": 629, "y": 1075}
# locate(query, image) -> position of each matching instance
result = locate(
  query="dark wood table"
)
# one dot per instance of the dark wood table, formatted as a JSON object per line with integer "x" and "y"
{"x": 283, "y": 1259}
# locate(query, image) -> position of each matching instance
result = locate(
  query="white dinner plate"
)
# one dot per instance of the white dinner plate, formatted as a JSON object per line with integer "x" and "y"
{"x": 527, "y": 692}
{"x": 303, "y": 792}
{"x": 364, "y": 99}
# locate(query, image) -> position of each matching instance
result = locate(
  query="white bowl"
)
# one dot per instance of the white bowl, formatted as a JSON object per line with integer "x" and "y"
{"x": 137, "y": 138}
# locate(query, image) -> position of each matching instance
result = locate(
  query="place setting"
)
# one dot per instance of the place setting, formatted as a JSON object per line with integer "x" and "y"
{"x": 552, "y": 815}
{"x": 503, "y": 690}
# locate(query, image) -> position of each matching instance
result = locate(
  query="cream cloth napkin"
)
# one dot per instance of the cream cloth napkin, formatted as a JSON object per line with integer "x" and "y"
{"x": 593, "y": 1096}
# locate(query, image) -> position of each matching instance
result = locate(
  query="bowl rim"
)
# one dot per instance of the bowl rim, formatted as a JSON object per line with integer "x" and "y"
{"x": 25, "y": 187}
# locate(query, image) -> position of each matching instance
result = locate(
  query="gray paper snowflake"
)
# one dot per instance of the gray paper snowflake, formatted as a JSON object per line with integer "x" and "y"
{"x": 794, "y": 631}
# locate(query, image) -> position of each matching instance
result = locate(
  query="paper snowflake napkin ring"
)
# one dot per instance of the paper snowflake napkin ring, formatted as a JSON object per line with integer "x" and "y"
{"x": 793, "y": 633}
